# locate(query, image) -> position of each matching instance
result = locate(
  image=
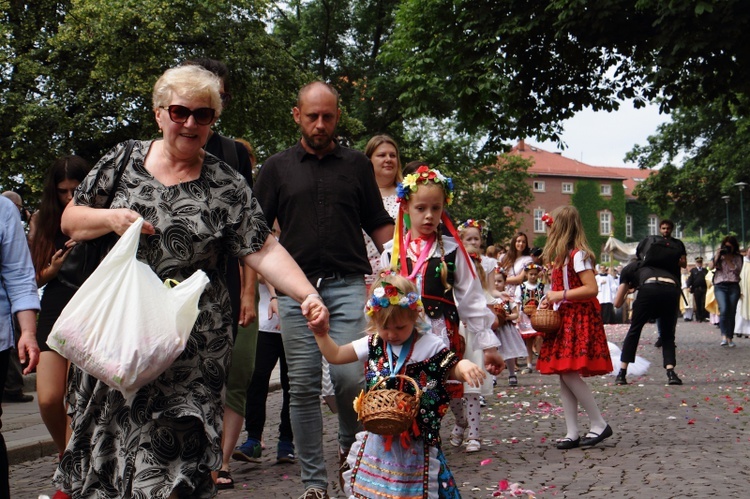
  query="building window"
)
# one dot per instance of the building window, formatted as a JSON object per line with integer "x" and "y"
{"x": 628, "y": 225}
{"x": 605, "y": 223}
{"x": 567, "y": 187}
{"x": 538, "y": 185}
{"x": 604, "y": 258}
{"x": 605, "y": 190}
{"x": 539, "y": 227}
{"x": 653, "y": 225}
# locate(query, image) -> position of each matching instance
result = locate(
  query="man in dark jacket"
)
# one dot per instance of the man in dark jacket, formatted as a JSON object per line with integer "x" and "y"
{"x": 697, "y": 284}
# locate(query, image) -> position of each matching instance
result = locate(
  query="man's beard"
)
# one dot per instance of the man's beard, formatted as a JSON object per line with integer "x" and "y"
{"x": 317, "y": 143}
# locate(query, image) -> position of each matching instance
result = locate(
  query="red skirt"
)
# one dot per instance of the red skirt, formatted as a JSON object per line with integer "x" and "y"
{"x": 580, "y": 345}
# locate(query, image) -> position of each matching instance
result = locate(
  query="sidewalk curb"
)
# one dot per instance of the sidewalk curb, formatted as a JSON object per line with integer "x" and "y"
{"x": 30, "y": 449}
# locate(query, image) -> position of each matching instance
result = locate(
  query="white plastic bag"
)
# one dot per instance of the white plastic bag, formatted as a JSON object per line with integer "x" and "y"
{"x": 124, "y": 326}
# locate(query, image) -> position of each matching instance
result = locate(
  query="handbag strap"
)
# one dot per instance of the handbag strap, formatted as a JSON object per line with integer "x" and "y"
{"x": 121, "y": 165}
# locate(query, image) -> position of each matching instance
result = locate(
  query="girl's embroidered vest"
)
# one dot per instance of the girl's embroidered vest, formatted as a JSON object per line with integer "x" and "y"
{"x": 437, "y": 302}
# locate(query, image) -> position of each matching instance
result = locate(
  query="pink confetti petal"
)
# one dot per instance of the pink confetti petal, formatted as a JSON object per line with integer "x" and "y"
{"x": 485, "y": 462}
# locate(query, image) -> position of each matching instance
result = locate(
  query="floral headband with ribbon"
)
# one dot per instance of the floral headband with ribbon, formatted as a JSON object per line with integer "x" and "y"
{"x": 480, "y": 225}
{"x": 424, "y": 175}
{"x": 532, "y": 266}
{"x": 388, "y": 295}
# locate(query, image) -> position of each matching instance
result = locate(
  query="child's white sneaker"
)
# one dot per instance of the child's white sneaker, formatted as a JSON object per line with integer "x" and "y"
{"x": 457, "y": 436}
{"x": 473, "y": 445}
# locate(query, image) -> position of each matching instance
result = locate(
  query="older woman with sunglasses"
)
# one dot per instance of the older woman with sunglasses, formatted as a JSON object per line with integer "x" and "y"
{"x": 166, "y": 440}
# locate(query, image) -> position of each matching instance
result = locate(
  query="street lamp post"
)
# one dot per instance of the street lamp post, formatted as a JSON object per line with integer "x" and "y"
{"x": 741, "y": 186}
{"x": 726, "y": 200}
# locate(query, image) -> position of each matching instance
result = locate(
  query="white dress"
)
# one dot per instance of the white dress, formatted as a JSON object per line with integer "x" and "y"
{"x": 742, "y": 319}
{"x": 512, "y": 345}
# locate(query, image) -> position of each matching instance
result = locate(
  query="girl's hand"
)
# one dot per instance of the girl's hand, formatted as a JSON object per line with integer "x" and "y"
{"x": 554, "y": 297}
{"x": 470, "y": 373}
{"x": 493, "y": 362}
{"x": 316, "y": 314}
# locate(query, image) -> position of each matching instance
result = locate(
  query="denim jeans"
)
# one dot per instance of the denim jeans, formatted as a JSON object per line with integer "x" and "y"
{"x": 345, "y": 299}
{"x": 727, "y": 295}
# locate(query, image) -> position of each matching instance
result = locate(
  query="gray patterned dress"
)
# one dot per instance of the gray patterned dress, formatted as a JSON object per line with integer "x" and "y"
{"x": 169, "y": 436}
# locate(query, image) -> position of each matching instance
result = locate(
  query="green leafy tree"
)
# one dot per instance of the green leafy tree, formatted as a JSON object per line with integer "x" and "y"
{"x": 513, "y": 68}
{"x": 703, "y": 152}
{"x": 80, "y": 75}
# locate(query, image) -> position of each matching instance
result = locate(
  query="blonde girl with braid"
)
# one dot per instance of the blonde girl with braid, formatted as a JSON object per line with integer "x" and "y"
{"x": 441, "y": 269}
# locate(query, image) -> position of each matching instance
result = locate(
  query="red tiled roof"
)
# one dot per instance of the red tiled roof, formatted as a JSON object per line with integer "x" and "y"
{"x": 555, "y": 164}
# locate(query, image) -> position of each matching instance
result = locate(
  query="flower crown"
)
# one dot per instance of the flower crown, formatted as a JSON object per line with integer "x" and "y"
{"x": 388, "y": 295}
{"x": 424, "y": 175}
{"x": 481, "y": 225}
{"x": 500, "y": 270}
{"x": 532, "y": 266}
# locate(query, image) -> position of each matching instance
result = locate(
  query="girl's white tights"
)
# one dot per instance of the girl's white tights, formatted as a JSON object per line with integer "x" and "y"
{"x": 574, "y": 391}
{"x": 467, "y": 414}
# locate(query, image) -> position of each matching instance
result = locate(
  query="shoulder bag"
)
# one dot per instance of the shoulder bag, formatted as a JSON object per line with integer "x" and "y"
{"x": 85, "y": 256}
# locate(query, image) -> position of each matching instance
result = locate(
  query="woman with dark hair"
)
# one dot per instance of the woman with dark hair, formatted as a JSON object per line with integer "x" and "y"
{"x": 49, "y": 248}
{"x": 514, "y": 260}
{"x": 728, "y": 265}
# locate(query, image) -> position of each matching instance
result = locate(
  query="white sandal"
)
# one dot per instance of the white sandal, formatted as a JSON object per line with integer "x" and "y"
{"x": 457, "y": 436}
{"x": 473, "y": 445}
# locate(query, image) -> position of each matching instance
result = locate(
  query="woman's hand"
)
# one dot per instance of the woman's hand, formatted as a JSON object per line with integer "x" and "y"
{"x": 121, "y": 219}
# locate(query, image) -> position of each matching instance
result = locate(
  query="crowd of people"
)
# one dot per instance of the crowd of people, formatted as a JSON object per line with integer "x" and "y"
{"x": 335, "y": 259}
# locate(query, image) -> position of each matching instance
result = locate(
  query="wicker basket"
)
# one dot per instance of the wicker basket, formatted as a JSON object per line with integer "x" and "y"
{"x": 546, "y": 321}
{"x": 501, "y": 314}
{"x": 530, "y": 309}
{"x": 386, "y": 411}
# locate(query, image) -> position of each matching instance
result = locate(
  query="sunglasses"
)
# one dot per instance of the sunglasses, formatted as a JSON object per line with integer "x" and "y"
{"x": 180, "y": 114}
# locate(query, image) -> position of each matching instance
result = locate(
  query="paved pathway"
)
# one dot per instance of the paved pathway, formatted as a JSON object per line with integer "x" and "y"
{"x": 669, "y": 441}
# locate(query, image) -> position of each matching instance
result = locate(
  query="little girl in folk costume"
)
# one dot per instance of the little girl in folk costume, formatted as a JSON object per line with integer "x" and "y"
{"x": 411, "y": 464}
{"x": 446, "y": 281}
{"x": 579, "y": 348}
{"x": 511, "y": 342}
{"x": 529, "y": 292}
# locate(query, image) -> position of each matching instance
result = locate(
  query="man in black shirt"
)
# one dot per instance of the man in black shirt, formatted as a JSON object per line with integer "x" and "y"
{"x": 658, "y": 296}
{"x": 697, "y": 284}
{"x": 323, "y": 196}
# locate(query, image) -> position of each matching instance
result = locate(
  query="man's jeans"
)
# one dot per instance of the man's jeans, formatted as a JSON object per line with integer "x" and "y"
{"x": 345, "y": 299}
{"x": 727, "y": 295}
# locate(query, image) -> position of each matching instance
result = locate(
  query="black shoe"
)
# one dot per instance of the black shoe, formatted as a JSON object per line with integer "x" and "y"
{"x": 567, "y": 443}
{"x": 596, "y": 438}
{"x": 657, "y": 343}
{"x": 10, "y": 397}
{"x": 620, "y": 379}
{"x": 672, "y": 377}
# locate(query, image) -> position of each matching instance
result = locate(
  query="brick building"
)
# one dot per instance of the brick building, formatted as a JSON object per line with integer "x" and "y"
{"x": 603, "y": 195}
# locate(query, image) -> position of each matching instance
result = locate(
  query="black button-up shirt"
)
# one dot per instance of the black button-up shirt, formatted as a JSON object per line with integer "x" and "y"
{"x": 322, "y": 205}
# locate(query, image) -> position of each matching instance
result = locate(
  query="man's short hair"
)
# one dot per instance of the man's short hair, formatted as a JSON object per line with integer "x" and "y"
{"x": 668, "y": 222}
{"x": 306, "y": 87}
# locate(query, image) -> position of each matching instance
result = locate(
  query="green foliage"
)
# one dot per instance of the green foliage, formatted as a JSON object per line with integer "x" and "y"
{"x": 713, "y": 143}
{"x": 483, "y": 193}
{"x": 587, "y": 199}
{"x": 77, "y": 77}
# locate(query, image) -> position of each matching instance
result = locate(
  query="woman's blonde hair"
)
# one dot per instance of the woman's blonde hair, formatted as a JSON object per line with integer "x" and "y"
{"x": 380, "y": 317}
{"x": 189, "y": 82}
{"x": 379, "y": 140}
{"x": 566, "y": 234}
